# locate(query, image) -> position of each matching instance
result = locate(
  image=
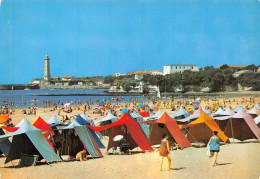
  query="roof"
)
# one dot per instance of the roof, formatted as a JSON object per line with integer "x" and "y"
{"x": 68, "y": 77}
{"x": 140, "y": 72}
{"x": 56, "y": 78}
{"x": 234, "y": 66}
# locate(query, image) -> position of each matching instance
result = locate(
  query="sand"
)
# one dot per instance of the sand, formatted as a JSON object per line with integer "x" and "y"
{"x": 239, "y": 160}
{"x": 235, "y": 161}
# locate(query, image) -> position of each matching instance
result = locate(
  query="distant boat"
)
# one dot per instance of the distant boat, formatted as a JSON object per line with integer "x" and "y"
{"x": 158, "y": 93}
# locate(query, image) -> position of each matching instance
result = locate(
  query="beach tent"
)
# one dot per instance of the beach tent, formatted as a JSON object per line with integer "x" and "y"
{"x": 20, "y": 123}
{"x": 254, "y": 112}
{"x": 29, "y": 140}
{"x": 228, "y": 112}
{"x": 86, "y": 118}
{"x": 156, "y": 116}
{"x": 237, "y": 108}
{"x": 257, "y": 105}
{"x": 80, "y": 120}
{"x": 206, "y": 111}
{"x": 77, "y": 137}
{"x": 222, "y": 120}
{"x": 45, "y": 127}
{"x": 108, "y": 119}
{"x": 139, "y": 118}
{"x": 192, "y": 117}
{"x": 219, "y": 112}
{"x": 4, "y": 145}
{"x": 54, "y": 120}
{"x": 200, "y": 130}
{"x": 165, "y": 124}
{"x": 257, "y": 121}
{"x": 182, "y": 113}
{"x": 131, "y": 131}
{"x": 242, "y": 126}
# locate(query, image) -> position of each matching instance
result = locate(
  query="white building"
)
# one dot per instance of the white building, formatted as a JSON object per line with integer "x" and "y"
{"x": 179, "y": 68}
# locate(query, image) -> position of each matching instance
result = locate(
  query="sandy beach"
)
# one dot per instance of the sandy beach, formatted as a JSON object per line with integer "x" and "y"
{"x": 238, "y": 160}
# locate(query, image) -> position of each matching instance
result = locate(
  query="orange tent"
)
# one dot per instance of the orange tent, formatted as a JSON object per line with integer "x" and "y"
{"x": 4, "y": 118}
{"x": 201, "y": 129}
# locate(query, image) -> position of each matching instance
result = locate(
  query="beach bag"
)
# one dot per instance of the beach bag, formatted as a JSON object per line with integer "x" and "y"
{"x": 209, "y": 154}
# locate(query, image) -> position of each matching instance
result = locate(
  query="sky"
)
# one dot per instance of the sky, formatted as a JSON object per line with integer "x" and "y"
{"x": 101, "y": 37}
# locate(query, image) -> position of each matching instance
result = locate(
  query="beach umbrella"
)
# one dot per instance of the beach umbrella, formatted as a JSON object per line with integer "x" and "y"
{"x": 124, "y": 110}
{"x": 3, "y": 118}
{"x": 199, "y": 98}
{"x": 140, "y": 106}
{"x": 144, "y": 114}
{"x": 66, "y": 105}
{"x": 118, "y": 138}
{"x": 101, "y": 103}
{"x": 196, "y": 103}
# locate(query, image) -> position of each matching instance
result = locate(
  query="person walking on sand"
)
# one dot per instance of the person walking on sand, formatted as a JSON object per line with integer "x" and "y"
{"x": 165, "y": 151}
{"x": 214, "y": 146}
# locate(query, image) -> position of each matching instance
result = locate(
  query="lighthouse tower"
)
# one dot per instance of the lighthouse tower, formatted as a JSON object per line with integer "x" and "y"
{"x": 47, "y": 75}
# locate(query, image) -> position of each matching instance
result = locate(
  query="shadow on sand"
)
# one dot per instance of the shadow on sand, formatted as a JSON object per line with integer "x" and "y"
{"x": 223, "y": 164}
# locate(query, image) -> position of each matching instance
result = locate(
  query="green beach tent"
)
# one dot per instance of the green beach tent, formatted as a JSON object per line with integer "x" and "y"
{"x": 29, "y": 140}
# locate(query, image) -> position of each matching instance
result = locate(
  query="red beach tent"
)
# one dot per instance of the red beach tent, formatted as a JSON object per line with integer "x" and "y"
{"x": 133, "y": 133}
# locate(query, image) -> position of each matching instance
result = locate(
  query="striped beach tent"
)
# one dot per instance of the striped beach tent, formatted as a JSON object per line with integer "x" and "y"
{"x": 89, "y": 140}
{"x": 91, "y": 144}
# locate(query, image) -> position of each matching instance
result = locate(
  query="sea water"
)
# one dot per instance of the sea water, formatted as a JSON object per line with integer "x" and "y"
{"x": 25, "y": 98}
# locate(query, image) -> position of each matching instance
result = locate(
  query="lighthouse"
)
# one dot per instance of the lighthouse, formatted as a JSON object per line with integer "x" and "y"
{"x": 47, "y": 75}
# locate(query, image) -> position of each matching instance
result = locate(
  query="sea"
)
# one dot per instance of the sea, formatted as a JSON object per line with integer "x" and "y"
{"x": 25, "y": 98}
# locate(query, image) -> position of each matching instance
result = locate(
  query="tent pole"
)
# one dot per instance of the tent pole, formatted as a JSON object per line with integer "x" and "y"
{"x": 190, "y": 134}
{"x": 10, "y": 160}
{"x": 232, "y": 130}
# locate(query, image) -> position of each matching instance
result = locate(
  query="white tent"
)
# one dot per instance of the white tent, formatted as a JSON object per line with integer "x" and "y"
{"x": 220, "y": 111}
{"x": 54, "y": 120}
{"x": 181, "y": 112}
{"x": 237, "y": 109}
{"x": 257, "y": 120}
{"x": 156, "y": 116}
{"x": 254, "y": 110}
{"x": 206, "y": 111}
{"x": 108, "y": 117}
{"x": 195, "y": 115}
